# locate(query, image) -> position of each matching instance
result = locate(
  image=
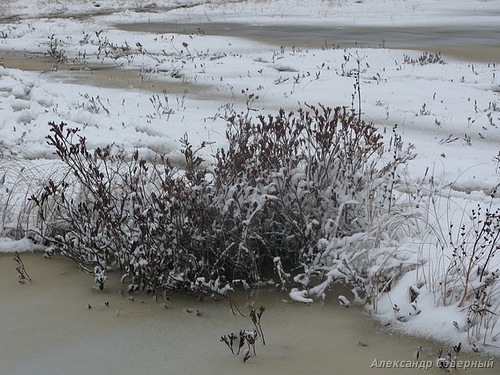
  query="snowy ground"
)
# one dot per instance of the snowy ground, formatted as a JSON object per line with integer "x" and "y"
{"x": 449, "y": 110}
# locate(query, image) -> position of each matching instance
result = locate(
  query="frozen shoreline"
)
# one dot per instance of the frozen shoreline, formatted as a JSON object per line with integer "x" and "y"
{"x": 450, "y": 112}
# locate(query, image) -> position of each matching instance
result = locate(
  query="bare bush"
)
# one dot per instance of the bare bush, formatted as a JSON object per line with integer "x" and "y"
{"x": 285, "y": 187}
{"x": 292, "y": 184}
{"x": 129, "y": 214}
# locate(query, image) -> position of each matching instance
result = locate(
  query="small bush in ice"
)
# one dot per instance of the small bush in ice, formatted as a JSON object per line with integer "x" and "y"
{"x": 21, "y": 270}
{"x": 287, "y": 190}
{"x": 248, "y": 337}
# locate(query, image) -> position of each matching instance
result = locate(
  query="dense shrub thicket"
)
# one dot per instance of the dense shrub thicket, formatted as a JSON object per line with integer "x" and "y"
{"x": 284, "y": 189}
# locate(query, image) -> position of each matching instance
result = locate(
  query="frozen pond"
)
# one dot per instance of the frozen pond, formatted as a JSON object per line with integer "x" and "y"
{"x": 49, "y": 329}
{"x": 475, "y": 44}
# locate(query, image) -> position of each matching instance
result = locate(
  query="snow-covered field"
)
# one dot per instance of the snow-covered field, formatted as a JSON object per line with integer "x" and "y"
{"x": 447, "y": 108}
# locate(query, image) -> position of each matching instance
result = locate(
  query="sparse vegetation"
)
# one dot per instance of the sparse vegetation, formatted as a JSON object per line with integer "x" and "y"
{"x": 463, "y": 271}
{"x": 470, "y": 279}
{"x": 425, "y": 58}
{"x": 93, "y": 104}
{"x": 55, "y": 50}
